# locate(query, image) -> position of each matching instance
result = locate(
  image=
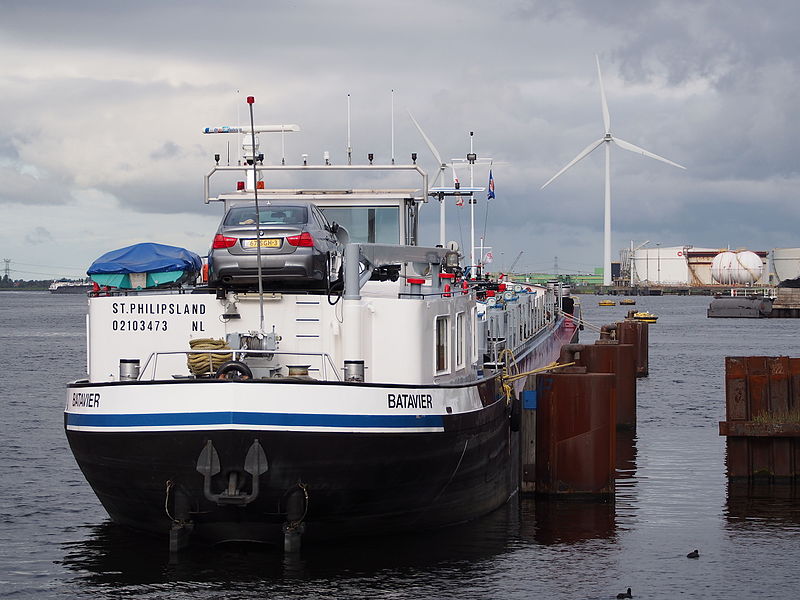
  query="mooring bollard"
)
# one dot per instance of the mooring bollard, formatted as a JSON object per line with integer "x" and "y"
{"x": 636, "y": 333}
{"x": 575, "y": 433}
{"x": 611, "y": 356}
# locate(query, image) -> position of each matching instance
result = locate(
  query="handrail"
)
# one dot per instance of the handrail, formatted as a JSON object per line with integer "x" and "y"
{"x": 238, "y": 355}
{"x": 261, "y": 167}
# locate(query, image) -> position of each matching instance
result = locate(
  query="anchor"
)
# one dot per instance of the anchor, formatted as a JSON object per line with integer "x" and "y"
{"x": 255, "y": 464}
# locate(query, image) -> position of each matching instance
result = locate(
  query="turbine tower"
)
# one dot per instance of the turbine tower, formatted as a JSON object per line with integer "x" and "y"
{"x": 607, "y": 139}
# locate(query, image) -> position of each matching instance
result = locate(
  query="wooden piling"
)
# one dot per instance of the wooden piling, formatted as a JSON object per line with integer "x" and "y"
{"x": 762, "y": 399}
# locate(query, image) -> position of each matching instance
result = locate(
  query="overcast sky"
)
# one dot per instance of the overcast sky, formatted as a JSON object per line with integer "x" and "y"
{"x": 102, "y": 104}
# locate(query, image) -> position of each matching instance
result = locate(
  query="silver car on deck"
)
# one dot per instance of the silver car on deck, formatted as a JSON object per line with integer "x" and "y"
{"x": 300, "y": 250}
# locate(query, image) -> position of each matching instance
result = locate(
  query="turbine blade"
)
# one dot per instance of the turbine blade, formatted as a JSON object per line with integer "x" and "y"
{"x": 633, "y": 148}
{"x": 604, "y": 102}
{"x": 431, "y": 147}
{"x": 583, "y": 153}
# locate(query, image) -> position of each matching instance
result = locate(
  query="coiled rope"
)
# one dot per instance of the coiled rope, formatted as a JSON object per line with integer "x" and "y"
{"x": 201, "y": 363}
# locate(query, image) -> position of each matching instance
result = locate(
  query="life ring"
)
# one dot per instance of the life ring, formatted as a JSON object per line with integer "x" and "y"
{"x": 680, "y": 253}
{"x": 233, "y": 370}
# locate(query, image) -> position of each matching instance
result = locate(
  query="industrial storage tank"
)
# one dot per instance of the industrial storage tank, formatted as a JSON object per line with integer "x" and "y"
{"x": 737, "y": 268}
{"x": 786, "y": 263}
{"x": 659, "y": 266}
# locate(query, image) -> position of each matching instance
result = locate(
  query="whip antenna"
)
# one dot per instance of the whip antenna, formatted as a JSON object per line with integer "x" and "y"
{"x": 349, "y": 147}
{"x": 250, "y": 101}
{"x": 392, "y": 126}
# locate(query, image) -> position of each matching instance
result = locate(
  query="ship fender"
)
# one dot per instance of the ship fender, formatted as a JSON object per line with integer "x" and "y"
{"x": 234, "y": 370}
{"x": 515, "y": 418}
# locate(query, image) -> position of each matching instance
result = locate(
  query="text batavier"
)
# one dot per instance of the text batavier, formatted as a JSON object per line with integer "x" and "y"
{"x": 85, "y": 400}
{"x": 268, "y": 243}
{"x": 409, "y": 400}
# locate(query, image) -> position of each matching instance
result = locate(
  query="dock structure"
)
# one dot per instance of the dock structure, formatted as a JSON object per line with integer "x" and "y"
{"x": 762, "y": 426}
{"x": 779, "y": 303}
{"x": 786, "y": 303}
{"x": 571, "y": 416}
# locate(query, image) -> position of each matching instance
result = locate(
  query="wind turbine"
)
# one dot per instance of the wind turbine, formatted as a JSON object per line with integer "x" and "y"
{"x": 457, "y": 190}
{"x": 607, "y": 139}
{"x": 442, "y": 169}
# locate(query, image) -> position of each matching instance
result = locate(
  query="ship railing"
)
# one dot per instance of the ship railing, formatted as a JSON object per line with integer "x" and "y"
{"x": 176, "y": 363}
{"x": 767, "y": 292}
{"x": 418, "y": 195}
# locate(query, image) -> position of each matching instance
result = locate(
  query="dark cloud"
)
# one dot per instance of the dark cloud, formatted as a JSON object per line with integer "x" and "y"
{"x": 111, "y": 97}
{"x": 39, "y": 235}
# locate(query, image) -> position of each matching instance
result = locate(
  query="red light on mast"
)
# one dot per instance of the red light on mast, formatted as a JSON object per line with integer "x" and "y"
{"x": 251, "y": 100}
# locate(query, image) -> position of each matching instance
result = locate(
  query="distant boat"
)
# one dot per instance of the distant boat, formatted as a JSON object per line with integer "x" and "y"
{"x": 645, "y": 317}
{"x": 607, "y": 303}
{"x": 66, "y": 286}
{"x": 627, "y": 302}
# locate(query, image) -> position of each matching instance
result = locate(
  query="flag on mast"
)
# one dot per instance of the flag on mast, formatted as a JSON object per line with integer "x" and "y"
{"x": 490, "y": 193}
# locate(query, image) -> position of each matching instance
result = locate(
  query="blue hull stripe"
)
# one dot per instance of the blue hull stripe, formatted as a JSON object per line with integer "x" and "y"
{"x": 253, "y": 418}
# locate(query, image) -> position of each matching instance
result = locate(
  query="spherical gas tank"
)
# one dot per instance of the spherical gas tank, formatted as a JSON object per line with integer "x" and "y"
{"x": 732, "y": 268}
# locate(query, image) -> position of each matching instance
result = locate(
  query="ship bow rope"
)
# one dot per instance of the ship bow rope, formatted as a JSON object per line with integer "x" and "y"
{"x": 204, "y": 362}
{"x": 511, "y": 371}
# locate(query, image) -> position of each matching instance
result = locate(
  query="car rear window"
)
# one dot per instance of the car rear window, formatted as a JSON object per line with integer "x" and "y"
{"x": 270, "y": 215}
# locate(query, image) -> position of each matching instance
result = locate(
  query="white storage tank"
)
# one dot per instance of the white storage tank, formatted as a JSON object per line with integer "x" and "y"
{"x": 786, "y": 263}
{"x": 737, "y": 268}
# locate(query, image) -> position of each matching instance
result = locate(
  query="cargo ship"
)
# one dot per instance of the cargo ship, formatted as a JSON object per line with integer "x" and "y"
{"x": 381, "y": 405}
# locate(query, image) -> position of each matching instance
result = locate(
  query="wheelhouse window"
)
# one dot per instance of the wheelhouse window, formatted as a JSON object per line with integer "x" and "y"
{"x": 460, "y": 340}
{"x": 474, "y": 327}
{"x": 442, "y": 346}
{"x": 367, "y": 224}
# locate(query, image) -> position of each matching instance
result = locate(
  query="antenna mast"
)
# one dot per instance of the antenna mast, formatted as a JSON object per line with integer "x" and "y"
{"x": 471, "y": 158}
{"x": 250, "y": 101}
{"x": 349, "y": 147}
{"x": 392, "y": 126}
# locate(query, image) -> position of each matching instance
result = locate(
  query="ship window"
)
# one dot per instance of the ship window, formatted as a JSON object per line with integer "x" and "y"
{"x": 459, "y": 340}
{"x": 474, "y": 338}
{"x": 367, "y": 224}
{"x": 442, "y": 347}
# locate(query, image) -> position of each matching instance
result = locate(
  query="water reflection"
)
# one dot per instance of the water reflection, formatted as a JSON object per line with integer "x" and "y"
{"x": 110, "y": 555}
{"x": 626, "y": 454}
{"x": 757, "y": 505}
{"x": 551, "y": 521}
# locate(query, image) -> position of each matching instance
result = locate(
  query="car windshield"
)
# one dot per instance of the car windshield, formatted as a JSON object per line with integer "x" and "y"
{"x": 270, "y": 215}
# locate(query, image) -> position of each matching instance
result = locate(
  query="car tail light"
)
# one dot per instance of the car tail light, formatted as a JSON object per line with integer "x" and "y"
{"x": 304, "y": 240}
{"x": 220, "y": 241}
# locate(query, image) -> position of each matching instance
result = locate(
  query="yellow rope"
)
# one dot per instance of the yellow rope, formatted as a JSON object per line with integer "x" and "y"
{"x": 205, "y": 362}
{"x": 550, "y": 367}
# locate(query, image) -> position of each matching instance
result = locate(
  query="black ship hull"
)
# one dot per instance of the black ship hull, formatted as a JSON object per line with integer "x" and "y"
{"x": 334, "y": 484}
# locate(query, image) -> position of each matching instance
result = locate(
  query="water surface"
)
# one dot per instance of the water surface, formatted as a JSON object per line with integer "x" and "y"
{"x": 672, "y": 496}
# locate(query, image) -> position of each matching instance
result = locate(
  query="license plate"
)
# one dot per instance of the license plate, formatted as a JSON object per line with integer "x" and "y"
{"x": 266, "y": 243}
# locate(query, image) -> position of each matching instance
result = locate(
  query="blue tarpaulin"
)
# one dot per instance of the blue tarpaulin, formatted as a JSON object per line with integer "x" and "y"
{"x": 146, "y": 258}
